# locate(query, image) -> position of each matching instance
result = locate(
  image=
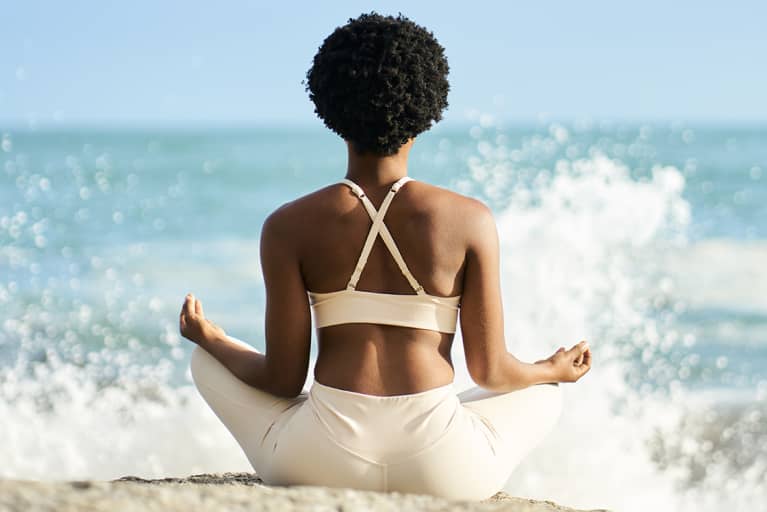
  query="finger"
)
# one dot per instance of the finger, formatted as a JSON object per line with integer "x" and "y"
{"x": 189, "y": 305}
{"x": 587, "y": 358}
{"x": 586, "y": 366}
{"x": 183, "y": 304}
{"x": 198, "y": 307}
{"x": 577, "y": 349}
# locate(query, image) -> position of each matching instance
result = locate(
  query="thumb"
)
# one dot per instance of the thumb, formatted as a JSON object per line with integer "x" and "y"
{"x": 578, "y": 349}
{"x": 198, "y": 308}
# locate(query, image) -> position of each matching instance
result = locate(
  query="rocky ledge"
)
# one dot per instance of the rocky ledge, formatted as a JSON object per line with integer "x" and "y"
{"x": 232, "y": 492}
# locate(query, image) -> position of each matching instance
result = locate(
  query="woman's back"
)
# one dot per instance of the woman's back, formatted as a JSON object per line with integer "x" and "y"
{"x": 429, "y": 226}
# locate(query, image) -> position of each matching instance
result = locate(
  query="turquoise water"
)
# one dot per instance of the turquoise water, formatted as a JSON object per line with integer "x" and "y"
{"x": 647, "y": 239}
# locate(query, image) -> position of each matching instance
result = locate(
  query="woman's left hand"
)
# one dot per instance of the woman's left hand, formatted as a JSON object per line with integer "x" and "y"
{"x": 193, "y": 324}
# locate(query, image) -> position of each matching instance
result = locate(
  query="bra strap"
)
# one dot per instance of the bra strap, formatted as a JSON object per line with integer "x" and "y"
{"x": 379, "y": 227}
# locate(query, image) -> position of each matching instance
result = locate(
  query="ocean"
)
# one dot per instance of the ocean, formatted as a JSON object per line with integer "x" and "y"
{"x": 647, "y": 239}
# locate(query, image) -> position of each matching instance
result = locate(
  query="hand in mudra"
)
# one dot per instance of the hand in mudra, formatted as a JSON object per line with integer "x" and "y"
{"x": 570, "y": 365}
{"x": 193, "y": 324}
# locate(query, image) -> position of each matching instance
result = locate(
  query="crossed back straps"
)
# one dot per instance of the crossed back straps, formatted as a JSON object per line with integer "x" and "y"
{"x": 377, "y": 228}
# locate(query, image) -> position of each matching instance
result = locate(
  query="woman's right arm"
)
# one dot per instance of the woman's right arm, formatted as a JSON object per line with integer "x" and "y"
{"x": 490, "y": 365}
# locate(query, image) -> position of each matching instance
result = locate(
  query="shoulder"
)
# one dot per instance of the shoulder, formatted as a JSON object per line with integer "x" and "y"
{"x": 289, "y": 217}
{"x": 300, "y": 206}
{"x": 478, "y": 223}
{"x": 472, "y": 221}
{"x": 467, "y": 214}
{"x": 462, "y": 210}
{"x": 465, "y": 220}
{"x": 465, "y": 203}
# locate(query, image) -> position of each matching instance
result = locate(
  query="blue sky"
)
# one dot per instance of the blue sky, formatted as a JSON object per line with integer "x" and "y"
{"x": 234, "y": 61}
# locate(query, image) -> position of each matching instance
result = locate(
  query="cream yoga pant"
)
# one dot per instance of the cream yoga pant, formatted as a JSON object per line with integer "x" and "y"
{"x": 460, "y": 447}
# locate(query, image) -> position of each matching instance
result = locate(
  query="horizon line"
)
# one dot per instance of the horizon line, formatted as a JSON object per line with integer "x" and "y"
{"x": 482, "y": 119}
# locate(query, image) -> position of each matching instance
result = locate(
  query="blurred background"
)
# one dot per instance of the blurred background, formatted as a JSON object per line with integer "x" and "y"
{"x": 623, "y": 149}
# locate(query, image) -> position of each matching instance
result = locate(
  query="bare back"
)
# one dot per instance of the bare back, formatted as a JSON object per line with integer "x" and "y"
{"x": 429, "y": 226}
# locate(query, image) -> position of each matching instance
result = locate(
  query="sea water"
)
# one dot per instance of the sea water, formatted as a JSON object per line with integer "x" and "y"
{"x": 648, "y": 240}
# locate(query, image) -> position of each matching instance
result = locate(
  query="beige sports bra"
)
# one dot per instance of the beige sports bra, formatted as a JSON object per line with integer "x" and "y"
{"x": 422, "y": 311}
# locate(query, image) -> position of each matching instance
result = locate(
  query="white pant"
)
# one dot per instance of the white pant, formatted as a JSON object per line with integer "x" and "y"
{"x": 461, "y": 447}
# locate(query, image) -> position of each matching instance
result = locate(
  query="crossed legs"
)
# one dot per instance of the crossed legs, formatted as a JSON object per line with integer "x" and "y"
{"x": 520, "y": 420}
{"x": 247, "y": 412}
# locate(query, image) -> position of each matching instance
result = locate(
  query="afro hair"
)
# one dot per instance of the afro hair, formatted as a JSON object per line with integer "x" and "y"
{"x": 379, "y": 81}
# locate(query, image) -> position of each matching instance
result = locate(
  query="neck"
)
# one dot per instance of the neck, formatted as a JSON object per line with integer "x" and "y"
{"x": 377, "y": 171}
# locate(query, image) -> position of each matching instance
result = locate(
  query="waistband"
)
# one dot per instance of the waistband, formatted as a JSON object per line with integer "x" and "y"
{"x": 328, "y": 390}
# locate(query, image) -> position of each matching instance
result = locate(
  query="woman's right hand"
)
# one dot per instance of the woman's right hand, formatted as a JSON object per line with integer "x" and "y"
{"x": 570, "y": 365}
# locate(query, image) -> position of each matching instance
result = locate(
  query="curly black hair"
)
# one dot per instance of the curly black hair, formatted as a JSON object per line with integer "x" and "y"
{"x": 378, "y": 81}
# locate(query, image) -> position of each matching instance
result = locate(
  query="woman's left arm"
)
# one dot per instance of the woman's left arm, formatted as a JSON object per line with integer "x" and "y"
{"x": 283, "y": 368}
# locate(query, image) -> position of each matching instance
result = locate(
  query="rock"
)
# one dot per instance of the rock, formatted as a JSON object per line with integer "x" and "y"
{"x": 232, "y": 492}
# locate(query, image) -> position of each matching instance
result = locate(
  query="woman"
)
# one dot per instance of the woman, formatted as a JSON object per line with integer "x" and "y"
{"x": 381, "y": 413}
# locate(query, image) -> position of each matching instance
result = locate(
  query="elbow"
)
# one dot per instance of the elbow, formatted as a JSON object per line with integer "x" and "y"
{"x": 491, "y": 374}
{"x": 285, "y": 387}
{"x": 484, "y": 374}
{"x": 489, "y": 381}
{"x": 478, "y": 373}
{"x": 282, "y": 380}
{"x": 290, "y": 392}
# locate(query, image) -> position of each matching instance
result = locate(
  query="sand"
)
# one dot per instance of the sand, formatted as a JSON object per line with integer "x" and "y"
{"x": 231, "y": 492}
